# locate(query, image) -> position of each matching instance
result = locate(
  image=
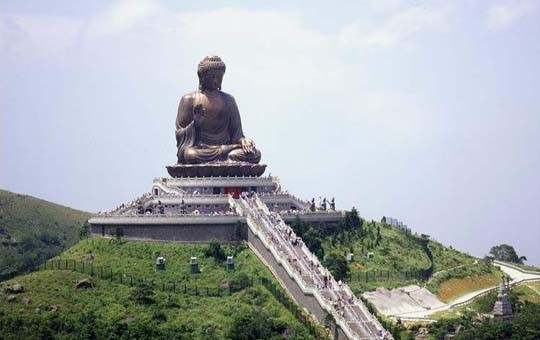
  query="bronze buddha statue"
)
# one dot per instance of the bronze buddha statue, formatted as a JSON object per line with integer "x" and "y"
{"x": 208, "y": 125}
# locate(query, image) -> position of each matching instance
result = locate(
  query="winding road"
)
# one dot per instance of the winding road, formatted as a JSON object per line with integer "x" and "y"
{"x": 516, "y": 274}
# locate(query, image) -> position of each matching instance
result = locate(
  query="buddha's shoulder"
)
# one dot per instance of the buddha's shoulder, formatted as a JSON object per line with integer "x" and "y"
{"x": 189, "y": 96}
{"x": 227, "y": 96}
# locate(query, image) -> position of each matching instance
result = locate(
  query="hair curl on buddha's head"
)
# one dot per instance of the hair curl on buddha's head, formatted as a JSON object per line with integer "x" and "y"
{"x": 211, "y": 63}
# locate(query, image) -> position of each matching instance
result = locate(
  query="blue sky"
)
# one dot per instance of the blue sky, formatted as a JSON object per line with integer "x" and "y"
{"x": 424, "y": 111}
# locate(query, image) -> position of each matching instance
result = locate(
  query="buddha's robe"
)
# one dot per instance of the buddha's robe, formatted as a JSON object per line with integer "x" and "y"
{"x": 217, "y": 137}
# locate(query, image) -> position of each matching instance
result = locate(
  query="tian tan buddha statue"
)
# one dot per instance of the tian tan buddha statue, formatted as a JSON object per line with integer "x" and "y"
{"x": 208, "y": 125}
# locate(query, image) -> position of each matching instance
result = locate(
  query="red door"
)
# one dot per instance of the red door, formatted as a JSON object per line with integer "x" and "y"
{"x": 235, "y": 192}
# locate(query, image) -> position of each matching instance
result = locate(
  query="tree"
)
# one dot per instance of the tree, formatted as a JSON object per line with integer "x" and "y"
{"x": 118, "y": 233}
{"x": 352, "y": 220}
{"x": 506, "y": 253}
{"x": 378, "y": 237}
{"x": 299, "y": 227}
{"x": 337, "y": 265}
{"x": 143, "y": 294}
{"x": 85, "y": 231}
{"x": 214, "y": 250}
{"x": 313, "y": 241}
{"x": 253, "y": 323}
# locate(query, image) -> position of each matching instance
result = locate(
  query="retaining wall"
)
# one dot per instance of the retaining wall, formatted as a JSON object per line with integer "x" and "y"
{"x": 188, "y": 233}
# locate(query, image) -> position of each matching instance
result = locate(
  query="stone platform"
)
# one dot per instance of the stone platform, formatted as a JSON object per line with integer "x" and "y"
{"x": 217, "y": 169}
{"x": 187, "y": 208}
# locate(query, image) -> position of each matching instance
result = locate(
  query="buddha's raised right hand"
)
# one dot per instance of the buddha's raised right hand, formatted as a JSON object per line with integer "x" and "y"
{"x": 198, "y": 114}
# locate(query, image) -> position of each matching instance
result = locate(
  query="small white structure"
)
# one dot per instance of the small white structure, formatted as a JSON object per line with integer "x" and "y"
{"x": 230, "y": 263}
{"x": 193, "y": 265}
{"x": 160, "y": 263}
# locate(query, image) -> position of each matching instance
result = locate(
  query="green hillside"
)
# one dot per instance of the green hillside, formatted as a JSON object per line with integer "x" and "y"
{"x": 384, "y": 256}
{"x": 33, "y": 230}
{"x": 167, "y": 306}
{"x": 445, "y": 258}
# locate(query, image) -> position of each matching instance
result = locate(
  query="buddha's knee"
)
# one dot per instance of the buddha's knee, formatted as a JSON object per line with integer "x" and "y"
{"x": 191, "y": 155}
{"x": 255, "y": 155}
{"x": 239, "y": 155}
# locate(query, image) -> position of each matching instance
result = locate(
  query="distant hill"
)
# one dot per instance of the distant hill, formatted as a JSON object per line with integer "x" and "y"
{"x": 33, "y": 230}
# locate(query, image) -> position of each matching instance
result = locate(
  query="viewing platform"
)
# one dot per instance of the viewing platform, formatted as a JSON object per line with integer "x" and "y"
{"x": 203, "y": 208}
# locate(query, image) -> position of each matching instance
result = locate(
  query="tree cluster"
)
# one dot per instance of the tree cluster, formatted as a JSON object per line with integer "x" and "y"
{"x": 506, "y": 253}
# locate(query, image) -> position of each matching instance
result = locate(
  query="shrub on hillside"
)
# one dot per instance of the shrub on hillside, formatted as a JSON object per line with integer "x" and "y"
{"x": 337, "y": 265}
{"x": 240, "y": 280}
{"x": 214, "y": 250}
{"x": 255, "y": 323}
{"x": 312, "y": 239}
{"x": 143, "y": 294}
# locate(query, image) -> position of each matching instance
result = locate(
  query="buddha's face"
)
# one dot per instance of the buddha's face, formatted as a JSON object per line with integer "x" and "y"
{"x": 211, "y": 80}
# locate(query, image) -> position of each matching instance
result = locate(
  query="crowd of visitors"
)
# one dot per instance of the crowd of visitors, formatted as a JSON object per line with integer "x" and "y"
{"x": 127, "y": 206}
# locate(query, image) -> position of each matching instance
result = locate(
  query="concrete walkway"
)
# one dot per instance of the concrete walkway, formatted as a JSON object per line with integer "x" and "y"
{"x": 516, "y": 274}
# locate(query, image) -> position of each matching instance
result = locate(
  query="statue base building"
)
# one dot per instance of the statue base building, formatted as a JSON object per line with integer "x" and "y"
{"x": 201, "y": 208}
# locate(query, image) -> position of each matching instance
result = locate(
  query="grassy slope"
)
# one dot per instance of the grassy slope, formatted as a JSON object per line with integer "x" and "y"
{"x": 529, "y": 291}
{"x": 193, "y": 317}
{"x": 32, "y": 230}
{"x": 445, "y": 258}
{"x": 396, "y": 251}
{"x": 456, "y": 287}
{"x": 138, "y": 258}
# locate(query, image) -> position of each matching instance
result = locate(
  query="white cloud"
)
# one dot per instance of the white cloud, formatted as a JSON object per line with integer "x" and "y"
{"x": 286, "y": 66}
{"x": 384, "y": 6}
{"x": 502, "y": 15}
{"x": 121, "y": 15}
{"x": 401, "y": 25}
{"x": 36, "y": 35}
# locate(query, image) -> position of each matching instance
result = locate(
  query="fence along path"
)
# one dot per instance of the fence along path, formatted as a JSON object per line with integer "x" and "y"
{"x": 313, "y": 279}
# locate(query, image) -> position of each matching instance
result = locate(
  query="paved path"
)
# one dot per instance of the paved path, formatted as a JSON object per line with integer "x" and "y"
{"x": 516, "y": 275}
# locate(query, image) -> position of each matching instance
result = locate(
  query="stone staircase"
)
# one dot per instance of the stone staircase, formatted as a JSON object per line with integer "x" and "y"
{"x": 300, "y": 272}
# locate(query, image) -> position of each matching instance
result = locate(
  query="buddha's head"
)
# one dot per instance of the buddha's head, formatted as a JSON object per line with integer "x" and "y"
{"x": 210, "y": 72}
